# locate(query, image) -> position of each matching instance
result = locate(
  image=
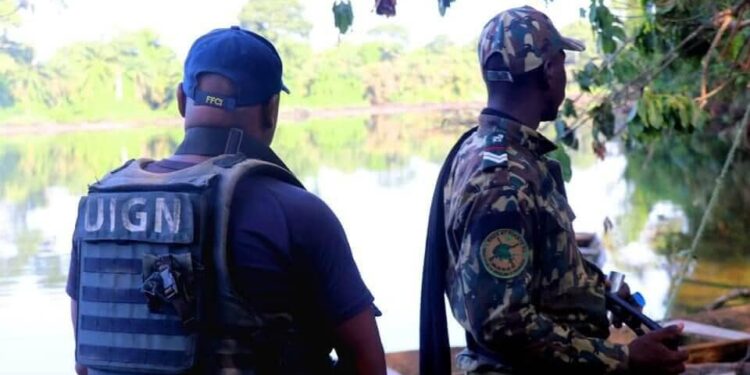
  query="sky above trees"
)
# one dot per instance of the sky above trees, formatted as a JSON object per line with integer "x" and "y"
{"x": 55, "y": 23}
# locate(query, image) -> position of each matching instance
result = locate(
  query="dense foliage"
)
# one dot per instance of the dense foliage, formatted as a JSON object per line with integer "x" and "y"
{"x": 664, "y": 68}
{"x": 672, "y": 85}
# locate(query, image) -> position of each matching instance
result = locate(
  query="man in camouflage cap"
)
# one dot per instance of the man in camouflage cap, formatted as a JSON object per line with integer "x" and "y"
{"x": 501, "y": 244}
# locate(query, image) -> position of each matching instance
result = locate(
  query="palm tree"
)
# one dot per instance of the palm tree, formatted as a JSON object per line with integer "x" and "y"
{"x": 153, "y": 68}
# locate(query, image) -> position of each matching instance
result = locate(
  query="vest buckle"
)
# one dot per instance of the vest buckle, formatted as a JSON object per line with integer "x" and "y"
{"x": 168, "y": 282}
{"x": 164, "y": 281}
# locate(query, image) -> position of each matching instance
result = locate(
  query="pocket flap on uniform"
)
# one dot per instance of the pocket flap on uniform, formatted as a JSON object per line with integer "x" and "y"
{"x": 557, "y": 207}
{"x": 161, "y": 217}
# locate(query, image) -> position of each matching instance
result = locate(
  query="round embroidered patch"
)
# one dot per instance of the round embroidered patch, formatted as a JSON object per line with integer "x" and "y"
{"x": 505, "y": 253}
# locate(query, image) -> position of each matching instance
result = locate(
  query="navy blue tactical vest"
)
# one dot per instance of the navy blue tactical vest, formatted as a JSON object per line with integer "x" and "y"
{"x": 155, "y": 294}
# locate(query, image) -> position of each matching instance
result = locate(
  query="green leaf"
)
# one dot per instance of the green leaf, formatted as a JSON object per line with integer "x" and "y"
{"x": 604, "y": 119}
{"x": 736, "y": 45}
{"x": 619, "y": 33}
{"x": 560, "y": 127}
{"x": 603, "y": 18}
{"x": 592, "y": 12}
{"x": 684, "y": 110}
{"x": 343, "y": 15}
{"x": 608, "y": 45}
{"x": 586, "y": 77}
{"x": 699, "y": 118}
{"x": 565, "y": 163}
{"x": 565, "y": 135}
{"x": 653, "y": 115}
{"x": 569, "y": 109}
{"x": 642, "y": 109}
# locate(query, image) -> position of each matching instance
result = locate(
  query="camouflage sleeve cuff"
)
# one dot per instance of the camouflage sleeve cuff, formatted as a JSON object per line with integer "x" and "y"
{"x": 607, "y": 357}
{"x": 622, "y": 359}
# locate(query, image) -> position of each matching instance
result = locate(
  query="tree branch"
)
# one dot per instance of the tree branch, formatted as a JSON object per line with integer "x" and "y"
{"x": 726, "y": 18}
{"x": 735, "y": 294}
{"x": 707, "y": 58}
{"x": 735, "y": 25}
{"x": 703, "y": 99}
{"x": 672, "y": 54}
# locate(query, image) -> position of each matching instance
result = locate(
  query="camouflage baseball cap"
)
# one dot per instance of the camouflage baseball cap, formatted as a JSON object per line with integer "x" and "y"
{"x": 525, "y": 37}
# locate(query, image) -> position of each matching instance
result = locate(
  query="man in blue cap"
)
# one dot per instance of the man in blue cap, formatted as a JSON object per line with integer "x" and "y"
{"x": 216, "y": 259}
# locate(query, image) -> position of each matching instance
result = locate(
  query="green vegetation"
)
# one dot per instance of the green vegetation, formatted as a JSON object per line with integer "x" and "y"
{"x": 668, "y": 81}
{"x": 664, "y": 68}
{"x": 671, "y": 84}
{"x": 133, "y": 77}
{"x": 277, "y": 20}
{"x": 30, "y": 164}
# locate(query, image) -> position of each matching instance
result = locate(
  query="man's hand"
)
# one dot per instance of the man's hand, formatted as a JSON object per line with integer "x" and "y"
{"x": 623, "y": 293}
{"x": 650, "y": 355}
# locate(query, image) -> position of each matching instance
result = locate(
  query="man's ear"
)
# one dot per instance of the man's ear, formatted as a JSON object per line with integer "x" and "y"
{"x": 548, "y": 75}
{"x": 181, "y": 99}
{"x": 271, "y": 112}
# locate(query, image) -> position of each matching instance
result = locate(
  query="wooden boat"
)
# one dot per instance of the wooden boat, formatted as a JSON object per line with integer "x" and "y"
{"x": 717, "y": 342}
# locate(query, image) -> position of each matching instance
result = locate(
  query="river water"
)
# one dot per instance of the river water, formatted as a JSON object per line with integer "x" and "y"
{"x": 377, "y": 174}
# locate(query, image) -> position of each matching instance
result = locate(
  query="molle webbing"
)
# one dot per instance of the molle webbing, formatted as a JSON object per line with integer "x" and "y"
{"x": 136, "y": 222}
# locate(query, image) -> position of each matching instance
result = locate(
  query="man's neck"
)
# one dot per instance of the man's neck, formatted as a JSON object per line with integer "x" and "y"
{"x": 522, "y": 113}
{"x": 204, "y": 142}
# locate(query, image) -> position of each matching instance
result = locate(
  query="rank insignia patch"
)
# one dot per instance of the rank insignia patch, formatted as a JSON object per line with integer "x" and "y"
{"x": 494, "y": 152}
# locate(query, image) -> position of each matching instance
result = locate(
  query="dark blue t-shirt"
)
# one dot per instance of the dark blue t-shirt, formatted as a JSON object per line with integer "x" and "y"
{"x": 289, "y": 253}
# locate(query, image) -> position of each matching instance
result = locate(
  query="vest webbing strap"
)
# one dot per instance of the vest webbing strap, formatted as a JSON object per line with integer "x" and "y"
{"x": 113, "y": 265}
{"x": 131, "y": 325}
{"x": 130, "y": 355}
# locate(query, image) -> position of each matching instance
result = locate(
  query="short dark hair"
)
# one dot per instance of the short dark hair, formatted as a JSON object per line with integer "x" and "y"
{"x": 531, "y": 78}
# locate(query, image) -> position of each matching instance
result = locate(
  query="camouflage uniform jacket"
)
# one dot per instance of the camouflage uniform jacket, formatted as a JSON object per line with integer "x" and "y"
{"x": 516, "y": 280}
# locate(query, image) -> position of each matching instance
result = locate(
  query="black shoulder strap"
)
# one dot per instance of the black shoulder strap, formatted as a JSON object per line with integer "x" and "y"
{"x": 434, "y": 347}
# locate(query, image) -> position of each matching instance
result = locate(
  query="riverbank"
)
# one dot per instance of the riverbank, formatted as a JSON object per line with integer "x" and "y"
{"x": 285, "y": 115}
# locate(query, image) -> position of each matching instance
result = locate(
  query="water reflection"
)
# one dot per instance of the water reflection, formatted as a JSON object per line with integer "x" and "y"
{"x": 680, "y": 172}
{"x": 377, "y": 174}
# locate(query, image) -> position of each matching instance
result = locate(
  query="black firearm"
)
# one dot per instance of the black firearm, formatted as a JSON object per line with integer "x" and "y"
{"x": 629, "y": 312}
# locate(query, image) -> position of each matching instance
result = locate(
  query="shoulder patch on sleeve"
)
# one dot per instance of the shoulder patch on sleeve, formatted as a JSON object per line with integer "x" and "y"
{"x": 505, "y": 253}
{"x": 494, "y": 152}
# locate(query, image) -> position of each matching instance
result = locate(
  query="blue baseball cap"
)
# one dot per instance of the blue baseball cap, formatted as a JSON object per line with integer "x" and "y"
{"x": 245, "y": 58}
